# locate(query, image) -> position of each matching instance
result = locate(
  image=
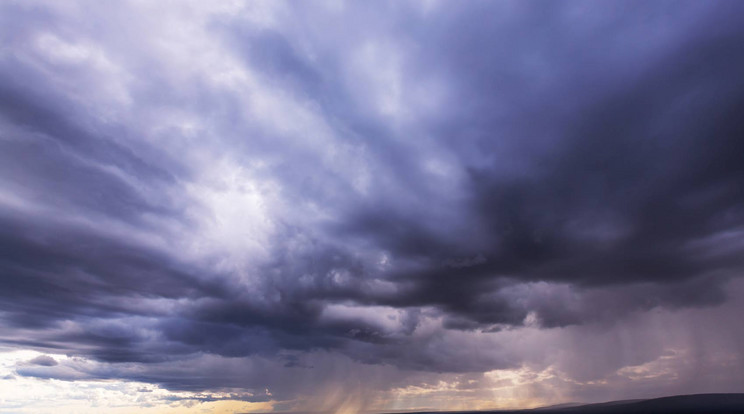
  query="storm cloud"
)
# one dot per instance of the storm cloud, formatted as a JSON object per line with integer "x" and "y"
{"x": 247, "y": 196}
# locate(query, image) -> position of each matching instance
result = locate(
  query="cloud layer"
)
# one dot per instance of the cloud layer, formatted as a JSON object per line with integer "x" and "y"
{"x": 421, "y": 192}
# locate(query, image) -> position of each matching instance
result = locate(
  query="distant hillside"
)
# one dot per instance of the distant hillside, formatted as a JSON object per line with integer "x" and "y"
{"x": 680, "y": 404}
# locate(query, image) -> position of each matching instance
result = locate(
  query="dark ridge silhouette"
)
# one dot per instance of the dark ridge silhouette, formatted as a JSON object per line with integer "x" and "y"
{"x": 679, "y": 404}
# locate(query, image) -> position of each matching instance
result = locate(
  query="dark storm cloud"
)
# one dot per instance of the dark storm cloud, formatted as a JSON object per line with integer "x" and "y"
{"x": 486, "y": 166}
{"x": 615, "y": 190}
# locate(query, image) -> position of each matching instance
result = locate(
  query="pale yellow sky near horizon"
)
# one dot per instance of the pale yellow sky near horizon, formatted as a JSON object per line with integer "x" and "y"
{"x": 509, "y": 389}
{"x": 28, "y": 394}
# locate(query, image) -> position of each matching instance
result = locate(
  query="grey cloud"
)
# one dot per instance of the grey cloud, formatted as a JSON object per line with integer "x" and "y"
{"x": 44, "y": 361}
{"x": 483, "y": 167}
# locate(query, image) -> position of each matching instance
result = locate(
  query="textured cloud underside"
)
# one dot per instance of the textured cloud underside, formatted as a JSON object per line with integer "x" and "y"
{"x": 413, "y": 189}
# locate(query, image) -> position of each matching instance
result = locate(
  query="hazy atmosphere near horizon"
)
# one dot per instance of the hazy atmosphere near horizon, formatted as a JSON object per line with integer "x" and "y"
{"x": 241, "y": 206}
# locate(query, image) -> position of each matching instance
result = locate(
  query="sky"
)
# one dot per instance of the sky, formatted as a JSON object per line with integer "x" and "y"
{"x": 342, "y": 207}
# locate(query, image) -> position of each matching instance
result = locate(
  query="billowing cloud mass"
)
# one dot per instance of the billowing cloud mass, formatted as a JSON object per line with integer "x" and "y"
{"x": 339, "y": 206}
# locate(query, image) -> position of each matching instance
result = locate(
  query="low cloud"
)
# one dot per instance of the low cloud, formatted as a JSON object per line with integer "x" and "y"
{"x": 44, "y": 361}
{"x": 194, "y": 195}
